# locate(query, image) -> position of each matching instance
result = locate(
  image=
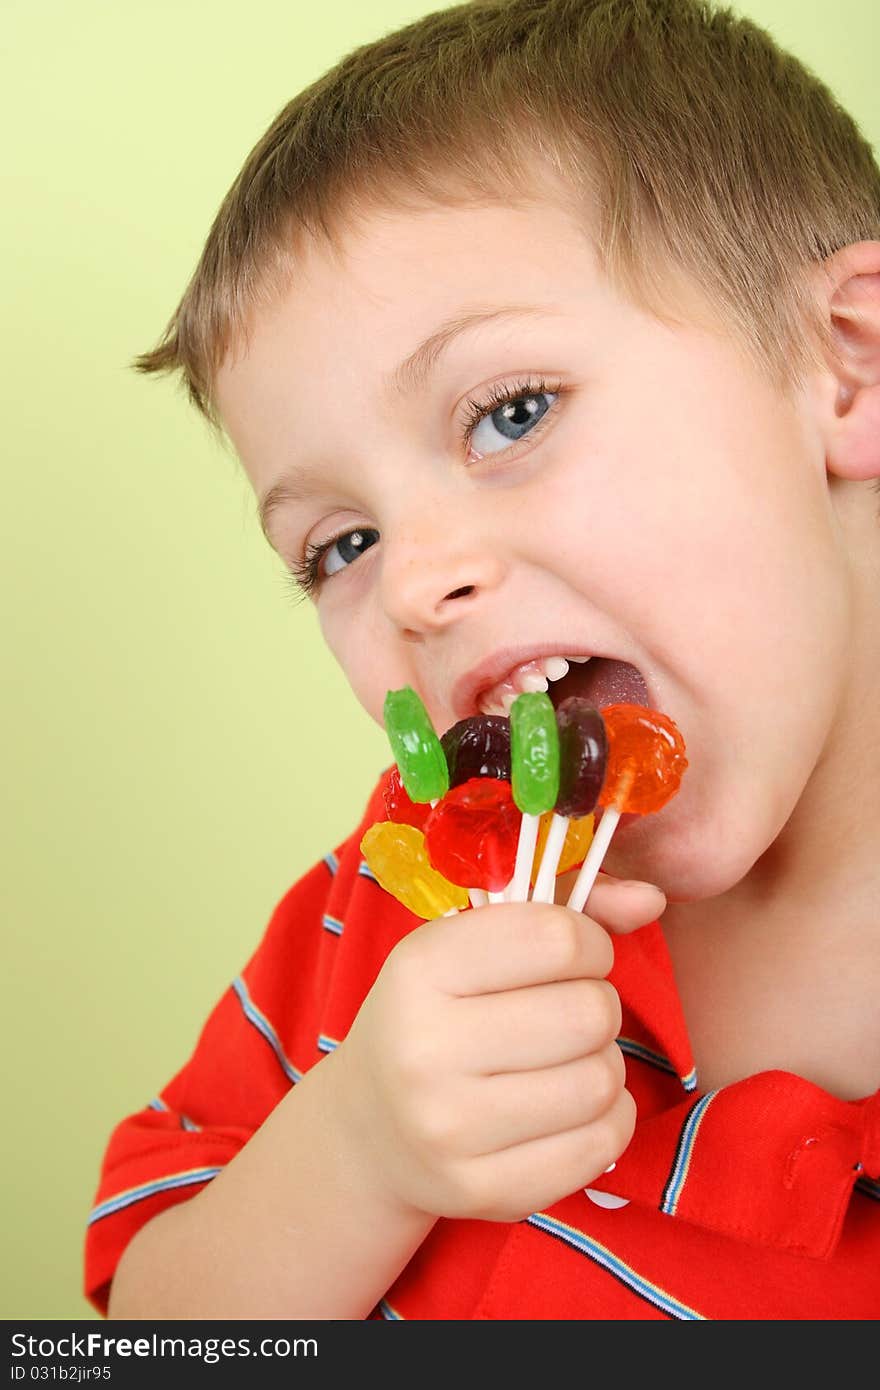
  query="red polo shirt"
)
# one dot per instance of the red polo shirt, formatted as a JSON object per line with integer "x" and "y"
{"x": 760, "y": 1200}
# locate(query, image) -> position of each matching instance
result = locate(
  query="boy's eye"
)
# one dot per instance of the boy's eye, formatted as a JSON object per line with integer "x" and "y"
{"x": 322, "y": 561}
{"x": 339, "y": 553}
{"x": 506, "y": 417}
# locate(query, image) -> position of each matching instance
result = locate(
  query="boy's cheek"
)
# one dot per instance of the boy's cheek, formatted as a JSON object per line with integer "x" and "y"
{"x": 365, "y": 669}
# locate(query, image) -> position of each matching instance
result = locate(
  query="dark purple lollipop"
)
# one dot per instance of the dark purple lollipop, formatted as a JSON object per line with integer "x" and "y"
{"x": 583, "y": 753}
{"x": 478, "y": 747}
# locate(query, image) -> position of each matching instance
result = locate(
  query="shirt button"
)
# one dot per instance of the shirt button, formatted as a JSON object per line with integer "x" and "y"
{"x": 606, "y": 1199}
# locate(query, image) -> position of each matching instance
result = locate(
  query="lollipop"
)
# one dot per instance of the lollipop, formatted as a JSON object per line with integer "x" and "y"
{"x": 422, "y": 773}
{"x": 472, "y": 833}
{"x": 399, "y": 806}
{"x": 478, "y": 747}
{"x": 583, "y": 753}
{"x": 415, "y": 745}
{"x": 646, "y": 762}
{"x": 534, "y": 758}
{"x": 396, "y": 855}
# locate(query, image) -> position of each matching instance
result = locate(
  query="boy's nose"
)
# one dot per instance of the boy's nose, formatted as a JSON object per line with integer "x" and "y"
{"x": 429, "y": 582}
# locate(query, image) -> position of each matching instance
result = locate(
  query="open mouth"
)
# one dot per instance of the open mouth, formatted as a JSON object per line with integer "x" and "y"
{"x": 599, "y": 680}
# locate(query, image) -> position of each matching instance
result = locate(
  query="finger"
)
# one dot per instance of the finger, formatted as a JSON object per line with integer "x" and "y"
{"x": 624, "y": 905}
{"x": 540, "y": 1026}
{"x": 516, "y": 1107}
{"x": 528, "y": 1177}
{"x": 507, "y": 946}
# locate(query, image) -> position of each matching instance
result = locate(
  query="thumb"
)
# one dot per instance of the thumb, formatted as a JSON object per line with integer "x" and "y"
{"x": 623, "y": 905}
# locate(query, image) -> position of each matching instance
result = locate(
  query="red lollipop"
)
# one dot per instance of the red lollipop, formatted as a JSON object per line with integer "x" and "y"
{"x": 399, "y": 806}
{"x": 472, "y": 833}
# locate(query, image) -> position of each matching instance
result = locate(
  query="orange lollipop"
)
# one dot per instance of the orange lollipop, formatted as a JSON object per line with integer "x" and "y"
{"x": 646, "y": 761}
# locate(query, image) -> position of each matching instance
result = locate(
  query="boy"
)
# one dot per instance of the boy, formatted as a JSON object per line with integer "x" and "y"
{"x": 542, "y": 329}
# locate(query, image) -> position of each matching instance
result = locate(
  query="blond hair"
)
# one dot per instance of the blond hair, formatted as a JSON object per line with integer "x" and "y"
{"x": 685, "y": 136}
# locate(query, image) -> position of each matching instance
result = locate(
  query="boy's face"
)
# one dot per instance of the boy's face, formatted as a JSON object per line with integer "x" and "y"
{"x": 647, "y": 497}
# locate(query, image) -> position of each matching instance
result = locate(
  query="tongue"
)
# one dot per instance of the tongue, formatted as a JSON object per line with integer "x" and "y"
{"x": 602, "y": 682}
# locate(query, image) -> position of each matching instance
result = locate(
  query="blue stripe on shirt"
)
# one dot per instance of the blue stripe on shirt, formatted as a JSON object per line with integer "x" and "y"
{"x": 601, "y": 1255}
{"x": 655, "y": 1059}
{"x": 687, "y": 1140}
{"x": 263, "y": 1026}
{"x": 149, "y": 1189}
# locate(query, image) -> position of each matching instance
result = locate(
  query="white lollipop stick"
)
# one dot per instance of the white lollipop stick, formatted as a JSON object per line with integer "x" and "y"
{"x": 592, "y": 864}
{"x": 518, "y": 889}
{"x": 544, "y": 890}
{"x": 478, "y": 899}
{"x": 601, "y": 840}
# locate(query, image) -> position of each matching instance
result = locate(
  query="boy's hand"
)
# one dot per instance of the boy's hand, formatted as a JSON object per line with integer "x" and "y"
{"x": 481, "y": 1077}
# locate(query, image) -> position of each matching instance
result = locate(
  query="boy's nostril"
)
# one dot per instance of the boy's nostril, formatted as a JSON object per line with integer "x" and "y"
{"x": 461, "y": 593}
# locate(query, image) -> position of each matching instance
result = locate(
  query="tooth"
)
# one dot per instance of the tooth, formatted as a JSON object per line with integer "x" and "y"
{"x": 499, "y": 703}
{"x": 531, "y": 680}
{"x": 555, "y": 667}
{"x": 530, "y": 676}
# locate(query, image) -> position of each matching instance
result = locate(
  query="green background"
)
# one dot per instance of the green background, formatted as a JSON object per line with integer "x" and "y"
{"x": 178, "y": 747}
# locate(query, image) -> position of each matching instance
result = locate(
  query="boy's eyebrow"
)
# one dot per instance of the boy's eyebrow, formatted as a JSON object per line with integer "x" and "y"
{"x": 407, "y": 377}
{"x": 413, "y": 370}
{"x": 293, "y": 487}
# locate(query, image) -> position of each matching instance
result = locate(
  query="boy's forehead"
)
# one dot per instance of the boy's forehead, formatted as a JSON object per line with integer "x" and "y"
{"x": 400, "y": 281}
{"x": 407, "y": 273}
{"x": 378, "y": 307}
{"x": 441, "y": 255}
{"x": 396, "y": 287}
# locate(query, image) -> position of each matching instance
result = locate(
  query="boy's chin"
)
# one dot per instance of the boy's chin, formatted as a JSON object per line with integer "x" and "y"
{"x": 682, "y": 859}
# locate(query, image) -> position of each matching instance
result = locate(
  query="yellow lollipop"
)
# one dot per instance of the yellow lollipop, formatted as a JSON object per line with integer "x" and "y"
{"x": 396, "y": 854}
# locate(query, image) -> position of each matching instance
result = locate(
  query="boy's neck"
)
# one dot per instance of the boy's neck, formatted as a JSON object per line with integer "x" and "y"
{"x": 783, "y": 970}
{"x": 783, "y": 983}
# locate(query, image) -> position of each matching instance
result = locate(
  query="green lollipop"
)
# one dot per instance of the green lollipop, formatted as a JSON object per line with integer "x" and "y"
{"x": 415, "y": 745}
{"x": 534, "y": 752}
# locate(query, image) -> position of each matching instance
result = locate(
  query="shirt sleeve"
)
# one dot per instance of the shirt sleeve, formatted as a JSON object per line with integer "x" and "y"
{"x": 258, "y": 1041}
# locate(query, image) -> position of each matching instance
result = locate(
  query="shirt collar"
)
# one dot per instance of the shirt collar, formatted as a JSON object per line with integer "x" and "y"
{"x": 771, "y": 1159}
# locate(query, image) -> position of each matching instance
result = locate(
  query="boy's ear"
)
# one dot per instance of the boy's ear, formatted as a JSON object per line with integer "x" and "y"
{"x": 848, "y": 285}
